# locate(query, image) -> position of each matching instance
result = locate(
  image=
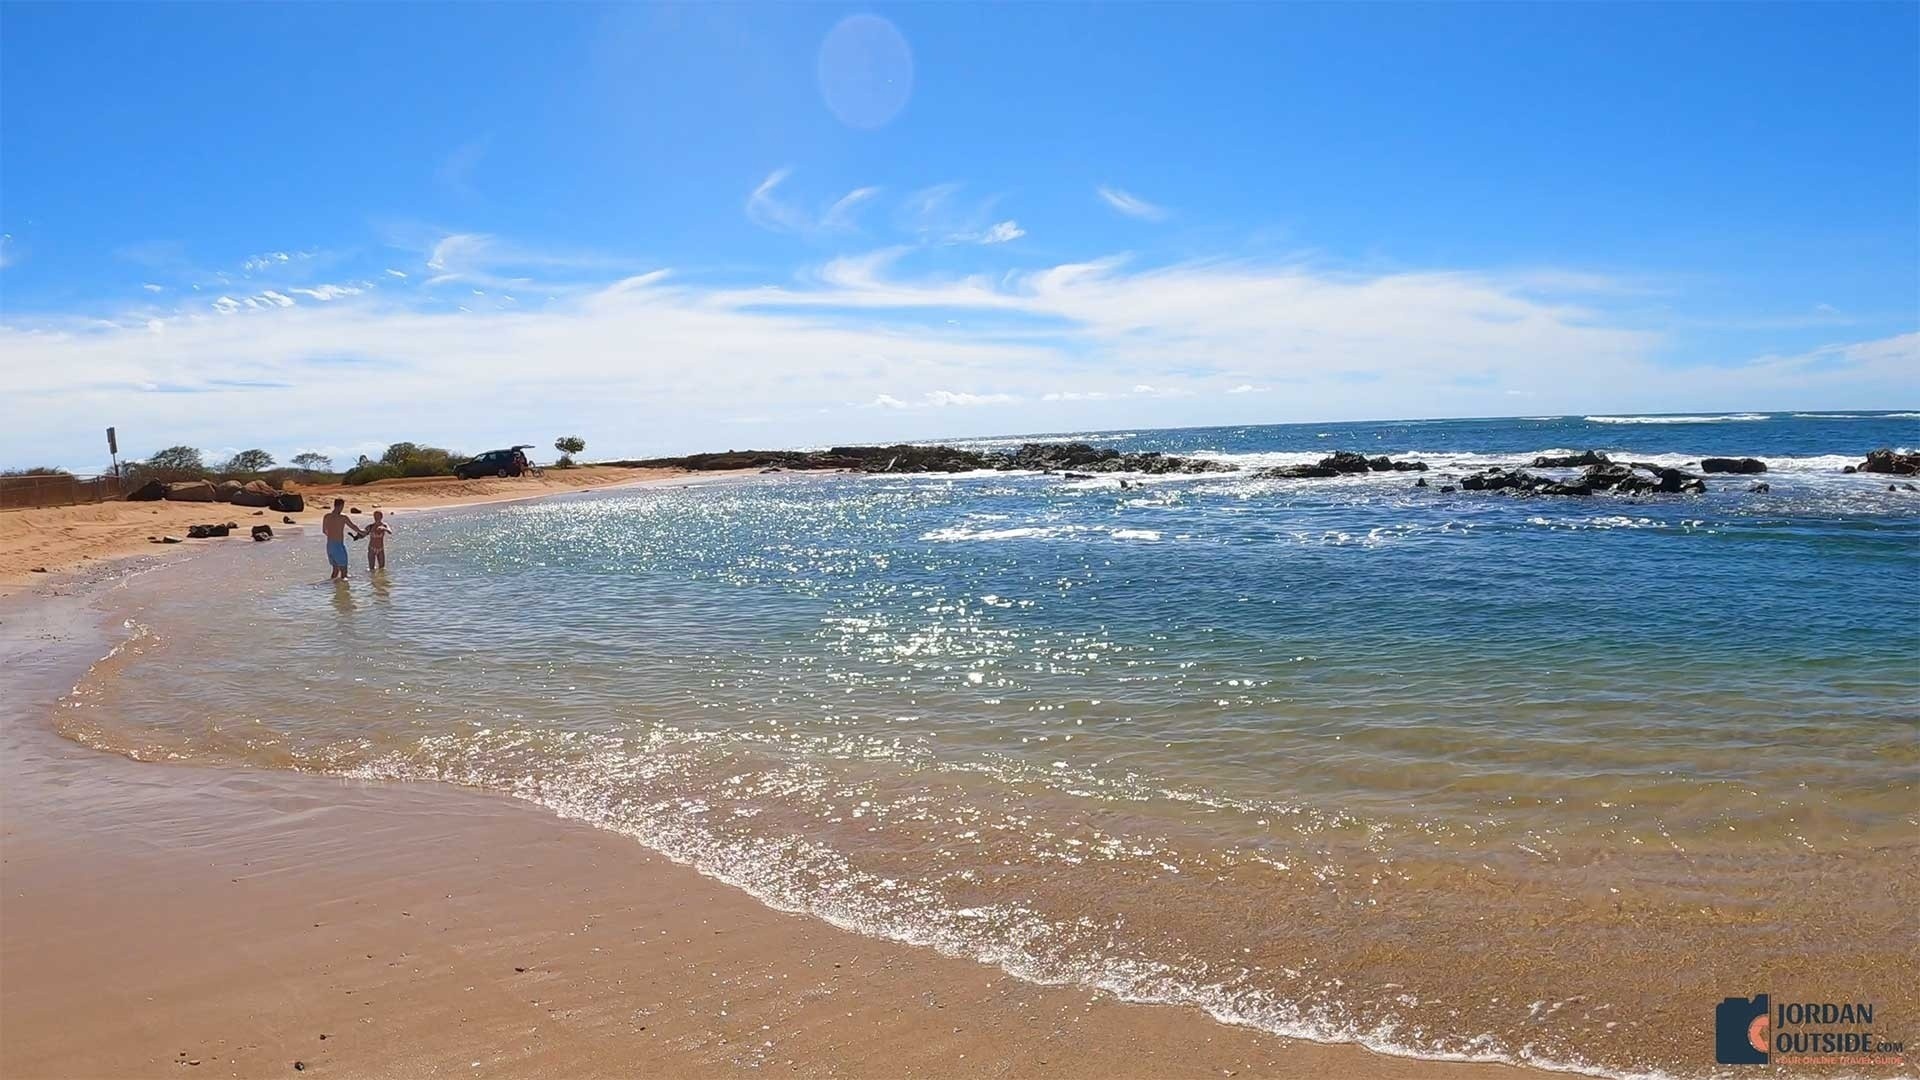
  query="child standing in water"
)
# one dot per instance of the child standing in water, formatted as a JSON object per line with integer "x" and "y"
{"x": 376, "y": 535}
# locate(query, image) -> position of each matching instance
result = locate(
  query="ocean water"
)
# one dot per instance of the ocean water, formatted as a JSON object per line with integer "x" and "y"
{"x": 1453, "y": 775}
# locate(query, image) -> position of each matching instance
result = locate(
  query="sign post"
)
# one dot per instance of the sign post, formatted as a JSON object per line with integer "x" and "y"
{"x": 113, "y": 451}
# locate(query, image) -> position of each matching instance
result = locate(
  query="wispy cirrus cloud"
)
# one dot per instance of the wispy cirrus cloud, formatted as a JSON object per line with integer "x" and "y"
{"x": 1130, "y": 204}
{"x": 767, "y": 208}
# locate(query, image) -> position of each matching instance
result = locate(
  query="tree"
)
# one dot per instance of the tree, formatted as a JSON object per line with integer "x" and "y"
{"x": 249, "y": 461}
{"x": 569, "y": 445}
{"x": 174, "y": 463}
{"x": 312, "y": 462}
{"x": 399, "y": 453}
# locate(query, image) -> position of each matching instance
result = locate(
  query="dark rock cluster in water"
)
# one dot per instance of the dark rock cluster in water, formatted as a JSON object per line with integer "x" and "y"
{"x": 1635, "y": 479}
{"x": 1889, "y": 461}
{"x": 908, "y": 458}
{"x": 1341, "y": 462}
{"x": 1077, "y": 460}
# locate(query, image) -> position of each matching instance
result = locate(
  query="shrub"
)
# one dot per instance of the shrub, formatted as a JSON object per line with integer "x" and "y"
{"x": 173, "y": 463}
{"x": 368, "y": 473}
{"x": 36, "y": 470}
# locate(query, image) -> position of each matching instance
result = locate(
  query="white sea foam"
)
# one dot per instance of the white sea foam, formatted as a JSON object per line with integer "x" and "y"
{"x": 1726, "y": 418}
{"x": 782, "y": 872}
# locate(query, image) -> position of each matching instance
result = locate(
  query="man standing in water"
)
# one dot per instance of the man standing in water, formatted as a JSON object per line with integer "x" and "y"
{"x": 336, "y": 525}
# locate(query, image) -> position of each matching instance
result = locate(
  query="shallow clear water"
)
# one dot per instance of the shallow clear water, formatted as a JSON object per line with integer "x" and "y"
{"x": 1452, "y": 774}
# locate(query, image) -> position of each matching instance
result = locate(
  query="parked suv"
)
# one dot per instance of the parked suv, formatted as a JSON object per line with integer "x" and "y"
{"x": 509, "y": 462}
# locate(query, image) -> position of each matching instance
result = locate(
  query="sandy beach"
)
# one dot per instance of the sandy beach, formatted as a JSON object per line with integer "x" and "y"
{"x": 61, "y": 538}
{"x": 162, "y": 919}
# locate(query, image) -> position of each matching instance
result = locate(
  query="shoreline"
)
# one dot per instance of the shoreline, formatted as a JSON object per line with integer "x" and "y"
{"x": 237, "y": 915}
{"x": 59, "y": 539}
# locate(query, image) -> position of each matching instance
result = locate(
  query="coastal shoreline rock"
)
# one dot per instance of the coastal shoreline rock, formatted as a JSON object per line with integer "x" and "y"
{"x": 914, "y": 458}
{"x": 190, "y": 491}
{"x": 1732, "y": 465}
{"x": 1339, "y": 463}
{"x": 1572, "y": 461}
{"x": 1888, "y": 461}
{"x": 1606, "y": 477}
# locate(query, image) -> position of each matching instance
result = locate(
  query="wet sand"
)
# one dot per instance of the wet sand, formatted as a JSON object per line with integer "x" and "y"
{"x": 64, "y": 538}
{"x": 179, "y": 920}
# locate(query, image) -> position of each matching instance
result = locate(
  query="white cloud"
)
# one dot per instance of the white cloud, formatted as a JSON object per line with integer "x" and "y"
{"x": 330, "y": 292}
{"x": 6, "y": 251}
{"x": 1024, "y": 348}
{"x": 152, "y": 288}
{"x": 1003, "y": 232}
{"x": 767, "y": 209}
{"x": 1130, "y": 204}
{"x": 937, "y": 399}
{"x": 840, "y": 214}
{"x": 401, "y": 274}
{"x": 271, "y": 260}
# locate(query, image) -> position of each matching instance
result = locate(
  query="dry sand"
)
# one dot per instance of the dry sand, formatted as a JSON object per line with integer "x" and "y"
{"x": 55, "y": 539}
{"x": 171, "y": 920}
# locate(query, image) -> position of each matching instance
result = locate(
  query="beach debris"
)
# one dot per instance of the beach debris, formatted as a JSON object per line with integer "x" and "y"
{"x": 1888, "y": 460}
{"x": 262, "y": 532}
{"x": 1732, "y": 465}
{"x": 299, "y": 1066}
{"x": 190, "y": 491}
{"x": 168, "y": 540}
{"x": 1760, "y": 488}
{"x": 1422, "y": 482}
{"x": 39, "y": 569}
{"x": 205, "y": 532}
{"x": 355, "y": 510}
{"x": 286, "y": 520}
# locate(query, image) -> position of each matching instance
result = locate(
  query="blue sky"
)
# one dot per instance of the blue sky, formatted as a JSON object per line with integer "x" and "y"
{"x": 676, "y": 229}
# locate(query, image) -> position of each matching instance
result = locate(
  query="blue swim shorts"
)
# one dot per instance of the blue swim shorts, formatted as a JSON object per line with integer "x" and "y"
{"x": 337, "y": 552}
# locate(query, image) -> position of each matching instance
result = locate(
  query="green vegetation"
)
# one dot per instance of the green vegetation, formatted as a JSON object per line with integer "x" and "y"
{"x": 248, "y": 462}
{"x": 405, "y": 459}
{"x": 568, "y": 445}
{"x": 35, "y": 470}
{"x": 308, "y": 461}
{"x": 169, "y": 465}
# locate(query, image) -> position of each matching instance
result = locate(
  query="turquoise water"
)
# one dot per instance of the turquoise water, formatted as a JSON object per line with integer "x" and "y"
{"x": 1448, "y": 774}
